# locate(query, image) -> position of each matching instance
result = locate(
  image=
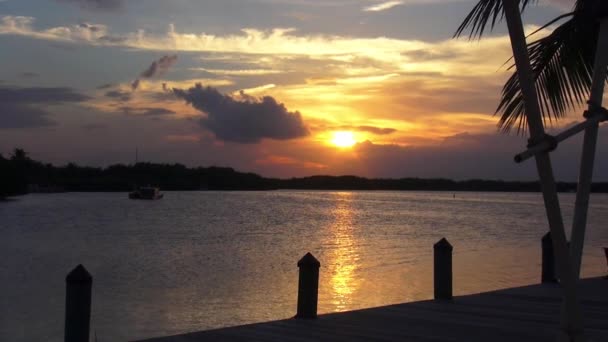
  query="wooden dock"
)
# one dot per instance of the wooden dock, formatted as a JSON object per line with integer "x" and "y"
{"x": 530, "y": 313}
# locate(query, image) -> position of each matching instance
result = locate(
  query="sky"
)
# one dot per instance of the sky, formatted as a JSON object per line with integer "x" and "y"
{"x": 282, "y": 88}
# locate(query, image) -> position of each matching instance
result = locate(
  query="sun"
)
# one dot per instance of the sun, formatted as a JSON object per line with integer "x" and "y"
{"x": 343, "y": 139}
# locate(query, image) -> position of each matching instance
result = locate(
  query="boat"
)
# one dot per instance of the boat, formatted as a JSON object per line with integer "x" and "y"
{"x": 146, "y": 193}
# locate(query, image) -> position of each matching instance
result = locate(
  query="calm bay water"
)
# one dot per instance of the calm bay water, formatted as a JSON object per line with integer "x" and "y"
{"x": 200, "y": 260}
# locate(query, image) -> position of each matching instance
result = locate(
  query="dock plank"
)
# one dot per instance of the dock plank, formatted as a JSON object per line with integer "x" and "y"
{"x": 529, "y": 313}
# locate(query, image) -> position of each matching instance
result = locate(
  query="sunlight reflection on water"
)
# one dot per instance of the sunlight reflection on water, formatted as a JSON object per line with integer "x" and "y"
{"x": 344, "y": 259}
{"x": 204, "y": 260}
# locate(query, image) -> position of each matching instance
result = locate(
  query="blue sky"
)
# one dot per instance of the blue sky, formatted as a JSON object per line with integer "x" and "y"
{"x": 279, "y": 79}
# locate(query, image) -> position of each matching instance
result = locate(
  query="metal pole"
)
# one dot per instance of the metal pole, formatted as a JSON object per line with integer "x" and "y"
{"x": 585, "y": 176}
{"x": 573, "y": 326}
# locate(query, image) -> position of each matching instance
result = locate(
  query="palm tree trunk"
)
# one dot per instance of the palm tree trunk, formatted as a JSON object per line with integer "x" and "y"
{"x": 579, "y": 223}
{"x": 572, "y": 327}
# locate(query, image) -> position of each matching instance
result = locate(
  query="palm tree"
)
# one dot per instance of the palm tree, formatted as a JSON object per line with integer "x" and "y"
{"x": 19, "y": 155}
{"x": 558, "y": 76}
{"x": 562, "y": 62}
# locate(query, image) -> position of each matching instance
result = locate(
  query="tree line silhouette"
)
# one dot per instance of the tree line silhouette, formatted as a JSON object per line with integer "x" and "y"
{"x": 21, "y": 174}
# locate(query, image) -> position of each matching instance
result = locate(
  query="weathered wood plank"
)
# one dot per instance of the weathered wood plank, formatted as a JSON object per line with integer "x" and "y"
{"x": 529, "y": 313}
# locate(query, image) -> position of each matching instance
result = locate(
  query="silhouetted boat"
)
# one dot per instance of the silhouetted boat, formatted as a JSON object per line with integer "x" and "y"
{"x": 146, "y": 193}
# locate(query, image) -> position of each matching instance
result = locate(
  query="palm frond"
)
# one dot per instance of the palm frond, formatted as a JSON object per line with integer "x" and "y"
{"x": 486, "y": 12}
{"x": 562, "y": 63}
{"x": 553, "y": 21}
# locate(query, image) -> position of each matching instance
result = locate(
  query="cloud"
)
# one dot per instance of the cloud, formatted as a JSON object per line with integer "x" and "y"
{"x": 266, "y": 52}
{"x": 364, "y": 128}
{"x": 462, "y": 156}
{"x": 113, "y": 40}
{"x": 15, "y": 116}
{"x": 375, "y": 130}
{"x": 276, "y": 161}
{"x": 382, "y": 6}
{"x": 105, "y": 86}
{"x": 96, "y": 4}
{"x": 40, "y": 95}
{"x": 277, "y": 41}
{"x": 18, "y": 106}
{"x": 244, "y": 122}
{"x": 157, "y": 68}
{"x": 384, "y": 88}
{"x": 242, "y": 72}
{"x": 92, "y": 27}
{"x": 119, "y": 95}
{"x": 146, "y": 111}
{"x": 83, "y": 32}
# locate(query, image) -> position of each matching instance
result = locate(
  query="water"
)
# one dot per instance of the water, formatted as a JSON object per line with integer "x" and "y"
{"x": 200, "y": 260}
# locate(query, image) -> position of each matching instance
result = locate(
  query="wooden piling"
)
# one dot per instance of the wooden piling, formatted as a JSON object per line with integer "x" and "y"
{"x": 548, "y": 262}
{"x": 78, "y": 305}
{"x": 442, "y": 270}
{"x": 308, "y": 287}
{"x": 606, "y": 253}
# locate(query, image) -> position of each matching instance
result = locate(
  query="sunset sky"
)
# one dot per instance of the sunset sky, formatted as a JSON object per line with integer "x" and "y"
{"x": 287, "y": 87}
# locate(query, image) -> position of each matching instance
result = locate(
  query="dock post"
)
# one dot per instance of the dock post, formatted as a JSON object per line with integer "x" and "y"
{"x": 548, "y": 263}
{"x": 78, "y": 305}
{"x": 308, "y": 287}
{"x": 442, "y": 271}
{"x": 606, "y": 253}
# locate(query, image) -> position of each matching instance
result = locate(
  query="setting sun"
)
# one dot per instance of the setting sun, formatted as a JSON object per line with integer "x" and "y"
{"x": 343, "y": 139}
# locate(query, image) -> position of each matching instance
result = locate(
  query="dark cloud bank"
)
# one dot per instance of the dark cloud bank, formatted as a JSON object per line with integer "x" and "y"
{"x": 19, "y": 107}
{"x": 16, "y": 116}
{"x": 40, "y": 95}
{"x": 248, "y": 121}
{"x": 467, "y": 156}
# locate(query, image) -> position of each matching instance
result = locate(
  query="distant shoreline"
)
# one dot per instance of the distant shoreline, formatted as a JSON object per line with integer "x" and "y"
{"x": 565, "y": 188}
{"x": 25, "y": 175}
{"x": 10, "y": 198}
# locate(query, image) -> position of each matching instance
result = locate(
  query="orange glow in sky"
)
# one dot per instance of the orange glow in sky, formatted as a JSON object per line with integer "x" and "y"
{"x": 375, "y": 102}
{"x": 343, "y": 139}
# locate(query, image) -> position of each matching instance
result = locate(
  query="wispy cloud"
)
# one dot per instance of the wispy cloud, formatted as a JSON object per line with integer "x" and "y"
{"x": 400, "y": 55}
{"x": 83, "y": 32}
{"x": 382, "y": 6}
{"x": 157, "y": 68}
{"x": 239, "y": 72}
